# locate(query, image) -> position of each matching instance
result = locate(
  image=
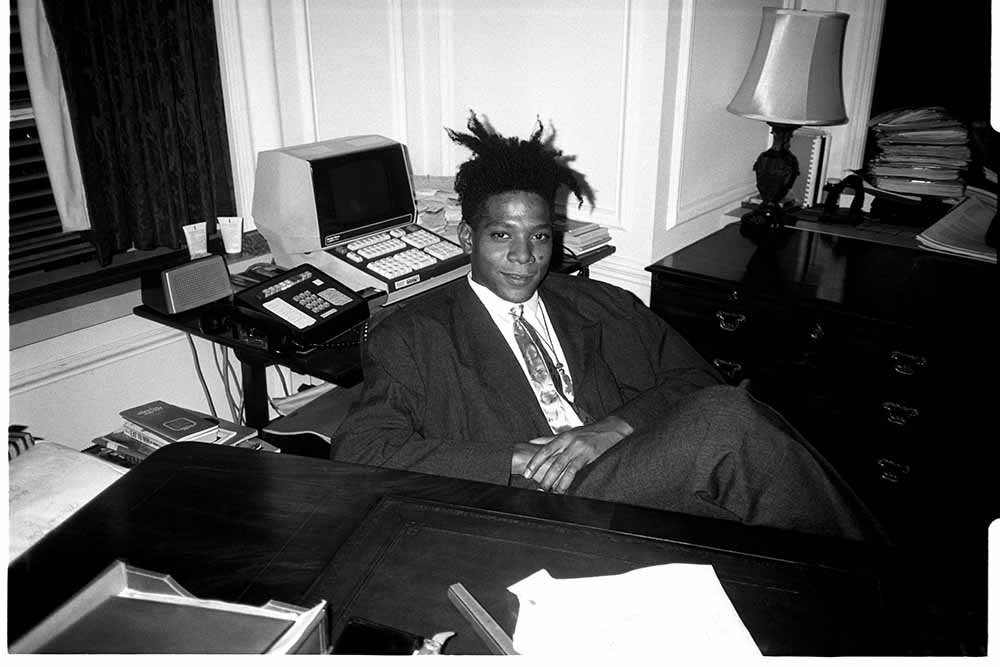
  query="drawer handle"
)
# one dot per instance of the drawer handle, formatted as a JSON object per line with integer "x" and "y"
{"x": 729, "y": 321}
{"x": 730, "y": 369}
{"x": 893, "y": 471}
{"x": 899, "y": 414}
{"x": 906, "y": 364}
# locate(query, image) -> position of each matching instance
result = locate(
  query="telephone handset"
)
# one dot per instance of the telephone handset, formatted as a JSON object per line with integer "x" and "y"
{"x": 295, "y": 310}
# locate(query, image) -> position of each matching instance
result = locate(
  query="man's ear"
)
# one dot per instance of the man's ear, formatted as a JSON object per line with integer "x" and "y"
{"x": 465, "y": 236}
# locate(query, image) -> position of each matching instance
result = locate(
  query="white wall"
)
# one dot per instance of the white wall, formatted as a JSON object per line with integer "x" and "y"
{"x": 636, "y": 89}
{"x": 71, "y": 386}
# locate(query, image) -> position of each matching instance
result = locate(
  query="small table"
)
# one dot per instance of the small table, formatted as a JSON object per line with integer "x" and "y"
{"x": 243, "y": 526}
{"x": 339, "y": 364}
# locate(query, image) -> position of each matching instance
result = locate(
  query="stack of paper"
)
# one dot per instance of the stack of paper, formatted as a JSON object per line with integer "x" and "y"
{"x": 962, "y": 230}
{"x": 922, "y": 151}
{"x": 437, "y": 204}
{"x": 668, "y": 611}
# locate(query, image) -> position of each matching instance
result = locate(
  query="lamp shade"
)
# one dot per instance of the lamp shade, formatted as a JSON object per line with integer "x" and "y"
{"x": 794, "y": 76}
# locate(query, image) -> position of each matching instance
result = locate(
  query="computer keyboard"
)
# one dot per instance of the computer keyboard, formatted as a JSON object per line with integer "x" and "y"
{"x": 399, "y": 251}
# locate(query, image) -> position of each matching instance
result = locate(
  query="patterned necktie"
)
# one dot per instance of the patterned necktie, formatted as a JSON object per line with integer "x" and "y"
{"x": 552, "y": 385}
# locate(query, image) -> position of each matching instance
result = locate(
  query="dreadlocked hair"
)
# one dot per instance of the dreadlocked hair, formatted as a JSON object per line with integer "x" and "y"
{"x": 506, "y": 164}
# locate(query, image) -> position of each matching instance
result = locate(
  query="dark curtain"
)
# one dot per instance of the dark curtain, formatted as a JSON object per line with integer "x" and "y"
{"x": 145, "y": 97}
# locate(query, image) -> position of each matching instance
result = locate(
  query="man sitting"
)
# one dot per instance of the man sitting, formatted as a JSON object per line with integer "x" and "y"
{"x": 569, "y": 385}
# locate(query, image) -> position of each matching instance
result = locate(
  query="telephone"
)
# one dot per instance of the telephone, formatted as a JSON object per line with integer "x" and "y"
{"x": 293, "y": 311}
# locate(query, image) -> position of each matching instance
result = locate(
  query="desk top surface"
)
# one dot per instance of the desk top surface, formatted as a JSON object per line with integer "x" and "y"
{"x": 856, "y": 275}
{"x": 339, "y": 363}
{"x": 246, "y": 526}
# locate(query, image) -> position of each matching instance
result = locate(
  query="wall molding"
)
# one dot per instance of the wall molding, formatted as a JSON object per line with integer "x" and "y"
{"x": 616, "y": 212}
{"x": 679, "y": 115}
{"x": 303, "y": 26}
{"x": 446, "y": 85}
{"x": 716, "y": 201}
{"x": 63, "y": 368}
{"x": 624, "y": 272}
{"x": 397, "y": 69}
{"x": 864, "y": 77}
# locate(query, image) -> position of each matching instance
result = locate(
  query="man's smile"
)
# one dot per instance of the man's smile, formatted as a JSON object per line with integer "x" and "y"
{"x": 518, "y": 278}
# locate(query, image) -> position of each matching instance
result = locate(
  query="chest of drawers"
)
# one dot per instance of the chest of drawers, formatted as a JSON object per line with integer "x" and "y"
{"x": 884, "y": 357}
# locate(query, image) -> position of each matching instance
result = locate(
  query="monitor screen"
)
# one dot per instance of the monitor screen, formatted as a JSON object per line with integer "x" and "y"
{"x": 314, "y": 196}
{"x": 360, "y": 193}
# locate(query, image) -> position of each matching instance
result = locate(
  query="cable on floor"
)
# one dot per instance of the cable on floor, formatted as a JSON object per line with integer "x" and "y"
{"x": 201, "y": 377}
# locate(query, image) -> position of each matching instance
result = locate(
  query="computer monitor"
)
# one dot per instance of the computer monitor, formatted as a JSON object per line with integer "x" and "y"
{"x": 313, "y": 196}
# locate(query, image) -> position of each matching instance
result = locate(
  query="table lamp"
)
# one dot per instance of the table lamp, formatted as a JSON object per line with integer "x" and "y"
{"x": 794, "y": 79}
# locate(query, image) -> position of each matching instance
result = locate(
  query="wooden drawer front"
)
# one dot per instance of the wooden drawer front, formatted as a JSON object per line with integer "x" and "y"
{"x": 718, "y": 326}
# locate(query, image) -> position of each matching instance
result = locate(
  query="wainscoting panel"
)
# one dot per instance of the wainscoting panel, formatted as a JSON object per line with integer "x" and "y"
{"x": 357, "y": 68}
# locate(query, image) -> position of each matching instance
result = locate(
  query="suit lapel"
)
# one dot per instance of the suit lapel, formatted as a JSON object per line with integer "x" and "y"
{"x": 484, "y": 351}
{"x": 580, "y": 338}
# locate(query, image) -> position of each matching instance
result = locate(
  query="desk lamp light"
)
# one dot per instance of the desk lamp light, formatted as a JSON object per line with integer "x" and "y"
{"x": 794, "y": 79}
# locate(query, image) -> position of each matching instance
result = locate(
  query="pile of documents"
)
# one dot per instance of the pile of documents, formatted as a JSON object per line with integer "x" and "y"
{"x": 962, "y": 230}
{"x": 437, "y": 204}
{"x": 678, "y": 610}
{"x": 922, "y": 151}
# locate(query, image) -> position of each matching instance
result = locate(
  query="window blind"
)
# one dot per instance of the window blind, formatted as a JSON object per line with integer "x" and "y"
{"x": 37, "y": 242}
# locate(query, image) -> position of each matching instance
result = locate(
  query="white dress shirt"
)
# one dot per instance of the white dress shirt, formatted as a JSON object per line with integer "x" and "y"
{"x": 538, "y": 317}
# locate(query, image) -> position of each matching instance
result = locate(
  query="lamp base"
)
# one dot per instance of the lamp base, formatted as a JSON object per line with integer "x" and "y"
{"x": 776, "y": 170}
{"x": 765, "y": 217}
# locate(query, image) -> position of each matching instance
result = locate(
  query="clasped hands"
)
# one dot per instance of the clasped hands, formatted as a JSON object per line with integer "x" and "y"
{"x": 553, "y": 461}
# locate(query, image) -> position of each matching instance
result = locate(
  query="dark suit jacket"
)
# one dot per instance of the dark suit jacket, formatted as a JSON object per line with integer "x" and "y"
{"x": 445, "y": 395}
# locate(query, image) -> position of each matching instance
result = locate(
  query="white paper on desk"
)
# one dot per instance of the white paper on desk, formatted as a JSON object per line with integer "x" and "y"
{"x": 672, "y": 610}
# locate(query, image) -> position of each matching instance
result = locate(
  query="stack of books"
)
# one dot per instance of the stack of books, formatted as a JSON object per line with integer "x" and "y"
{"x": 152, "y": 425}
{"x": 582, "y": 237}
{"x": 922, "y": 151}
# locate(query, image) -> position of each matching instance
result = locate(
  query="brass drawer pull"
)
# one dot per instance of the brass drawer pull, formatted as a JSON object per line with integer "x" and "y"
{"x": 906, "y": 364}
{"x": 729, "y": 321}
{"x": 898, "y": 413}
{"x": 730, "y": 369}
{"x": 893, "y": 471}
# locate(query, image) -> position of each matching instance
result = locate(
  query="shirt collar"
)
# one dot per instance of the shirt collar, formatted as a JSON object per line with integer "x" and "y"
{"x": 497, "y": 306}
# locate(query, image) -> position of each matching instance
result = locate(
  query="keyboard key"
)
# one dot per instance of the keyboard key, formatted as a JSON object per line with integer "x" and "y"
{"x": 367, "y": 241}
{"x": 381, "y": 248}
{"x": 421, "y": 238}
{"x": 443, "y": 250}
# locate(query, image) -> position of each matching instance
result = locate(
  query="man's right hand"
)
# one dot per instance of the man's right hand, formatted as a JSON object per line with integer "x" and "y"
{"x": 523, "y": 452}
{"x": 560, "y": 457}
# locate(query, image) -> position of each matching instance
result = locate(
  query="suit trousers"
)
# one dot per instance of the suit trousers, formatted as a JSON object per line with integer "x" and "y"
{"x": 718, "y": 452}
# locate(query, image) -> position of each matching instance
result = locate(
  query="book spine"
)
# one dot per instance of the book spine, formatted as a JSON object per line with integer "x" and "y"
{"x": 142, "y": 435}
{"x": 123, "y": 459}
{"x": 118, "y": 441}
{"x": 577, "y": 248}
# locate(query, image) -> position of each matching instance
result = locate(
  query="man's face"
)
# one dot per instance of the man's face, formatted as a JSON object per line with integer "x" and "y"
{"x": 511, "y": 246}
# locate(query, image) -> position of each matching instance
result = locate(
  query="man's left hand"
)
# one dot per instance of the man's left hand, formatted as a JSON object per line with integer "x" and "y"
{"x": 562, "y": 456}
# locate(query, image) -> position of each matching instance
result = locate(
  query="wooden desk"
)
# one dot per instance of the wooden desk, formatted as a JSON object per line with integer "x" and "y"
{"x": 339, "y": 365}
{"x": 246, "y": 526}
